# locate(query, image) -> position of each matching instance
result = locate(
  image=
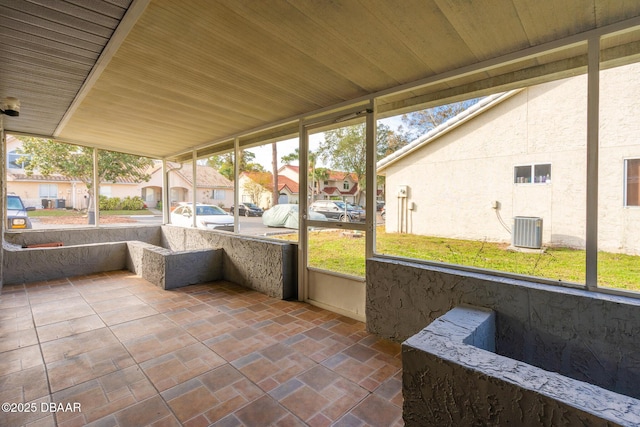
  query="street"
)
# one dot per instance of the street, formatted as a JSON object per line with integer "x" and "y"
{"x": 251, "y": 226}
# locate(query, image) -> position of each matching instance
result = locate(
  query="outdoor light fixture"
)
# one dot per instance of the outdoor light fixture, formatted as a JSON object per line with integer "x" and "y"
{"x": 10, "y": 106}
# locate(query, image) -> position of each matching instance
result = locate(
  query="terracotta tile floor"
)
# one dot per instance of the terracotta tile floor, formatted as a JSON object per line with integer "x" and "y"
{"x": 129, "y": 354}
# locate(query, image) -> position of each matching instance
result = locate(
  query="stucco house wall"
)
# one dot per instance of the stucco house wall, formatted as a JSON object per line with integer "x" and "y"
{"x": 455, "y": 179}
{"x": 211, "y": 187}
{"x": 73, "y": 192}
{"x": 264, "y": 201}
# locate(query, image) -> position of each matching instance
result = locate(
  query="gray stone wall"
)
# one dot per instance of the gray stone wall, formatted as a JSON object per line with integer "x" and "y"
{"x": 266, "y": 266}
{"x": 31, "y": 265}
{"x": 189, "y": 256}
{"x": 83, "y": 236}
{"x": 450, "y": 379}
{"x": 588, "y": 336}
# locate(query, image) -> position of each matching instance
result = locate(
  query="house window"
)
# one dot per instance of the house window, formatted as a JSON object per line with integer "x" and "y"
{"x": 345, "y": 185}
{"x": 218, "y": 194}
{"x": 105, "y": 190}
{"x": 632, "y": 182}
{"x": 13, "y": 160}
{"x": 48, "y": 191}
{"x": 527, "y": 174}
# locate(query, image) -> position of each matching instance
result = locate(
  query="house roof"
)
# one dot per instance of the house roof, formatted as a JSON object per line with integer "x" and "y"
{"x": 129, "y": 75}
{"x": 294, "y": 168}
{"x": 332, "y": 191}
{"x": 207, "y": 177}
{"x": 19, "y": 176}
{"x": 283, "y": 181}
{"x": 266, "y": 177}
{"x": 444, "y": 128}
{"x": 341, "y": 176}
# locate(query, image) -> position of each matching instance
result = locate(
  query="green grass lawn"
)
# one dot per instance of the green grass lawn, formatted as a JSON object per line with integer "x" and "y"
{"x": 335, "y": 252}
{"x": 53, "y": 212}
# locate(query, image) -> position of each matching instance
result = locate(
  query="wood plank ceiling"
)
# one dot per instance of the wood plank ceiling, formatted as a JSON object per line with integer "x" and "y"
{"x": 179, "y": 75}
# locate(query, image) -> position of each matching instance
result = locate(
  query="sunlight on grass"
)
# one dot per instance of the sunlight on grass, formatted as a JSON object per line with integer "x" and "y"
{"x": 337, "y": 251}
{"x": 332, "y": 251}
{"x": 53, "y": 212}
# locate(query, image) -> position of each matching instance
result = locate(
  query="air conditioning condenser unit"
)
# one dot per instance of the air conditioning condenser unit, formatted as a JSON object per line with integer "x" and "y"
{"x": 527, "y": 232}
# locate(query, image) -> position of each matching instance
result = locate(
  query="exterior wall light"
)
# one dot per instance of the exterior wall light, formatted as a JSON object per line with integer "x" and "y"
{"x": 10, "y": 106}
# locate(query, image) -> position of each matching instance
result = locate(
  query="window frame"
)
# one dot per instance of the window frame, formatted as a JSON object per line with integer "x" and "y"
{"x": 48, "y": 186}
{"x": 532, "y": 173}
{"x": 13, "y": 154}
{"x": 626, "y": 182}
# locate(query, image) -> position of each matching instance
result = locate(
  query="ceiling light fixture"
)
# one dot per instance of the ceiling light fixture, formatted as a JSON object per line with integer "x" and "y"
{"x": 10, "y": 107}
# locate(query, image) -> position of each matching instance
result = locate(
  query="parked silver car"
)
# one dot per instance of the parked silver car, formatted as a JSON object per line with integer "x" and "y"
{"x": 336, "y": 210}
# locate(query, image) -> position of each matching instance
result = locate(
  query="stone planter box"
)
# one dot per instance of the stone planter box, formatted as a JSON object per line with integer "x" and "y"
{"x": 452, "y": 375}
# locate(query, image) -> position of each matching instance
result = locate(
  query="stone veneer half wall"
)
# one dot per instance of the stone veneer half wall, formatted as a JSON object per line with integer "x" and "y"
{"x": 268, "y": 266}
{"x": 589, "y": 336}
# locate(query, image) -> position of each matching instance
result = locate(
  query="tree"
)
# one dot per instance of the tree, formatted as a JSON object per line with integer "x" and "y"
{"x": 75, "y": 162}
{"x": 223, "y": 163}
{"x": 345, "y": 149}
{"x": 257, "y": 184}
{"x": 421, "y": 122}
{"x": 389, "y": 141}
{"x": 291, "y": 157}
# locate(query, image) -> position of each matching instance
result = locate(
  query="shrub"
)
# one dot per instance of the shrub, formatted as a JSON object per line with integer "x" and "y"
{"x": 109, "y": 203}
{"x": 132, "y": 203}
{"x": 117, "y": 204}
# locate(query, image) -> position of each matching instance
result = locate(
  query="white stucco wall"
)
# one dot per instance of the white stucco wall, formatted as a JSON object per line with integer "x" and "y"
{"x": 454, "y": 179}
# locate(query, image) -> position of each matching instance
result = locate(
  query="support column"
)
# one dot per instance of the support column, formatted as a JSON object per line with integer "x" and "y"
{"x": 3, "y": 197}
{"x": 165, "y": 193}
{"x": 237, "y": 155}
{"x": 370, "y": 179}
{"x": 194, "y": 186}
{"x": 593, "y": 106}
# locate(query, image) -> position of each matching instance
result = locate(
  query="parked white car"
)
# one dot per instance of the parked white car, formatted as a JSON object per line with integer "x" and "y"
{"x": 208, "y": 217}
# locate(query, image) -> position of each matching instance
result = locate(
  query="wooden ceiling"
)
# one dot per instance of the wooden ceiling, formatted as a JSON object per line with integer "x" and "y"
{"x": 161, "y": 77}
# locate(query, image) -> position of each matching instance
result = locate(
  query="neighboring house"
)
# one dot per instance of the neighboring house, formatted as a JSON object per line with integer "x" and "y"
{"x": 335, "y": 185}
{"x": 256, "y": 187}
{"x": 55, "y": 191}
{"x": 523, "y": 153}
{"x": 340, "y": 185}
{"x": 212, "y": 188}
{"x": 58, "y": 191}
